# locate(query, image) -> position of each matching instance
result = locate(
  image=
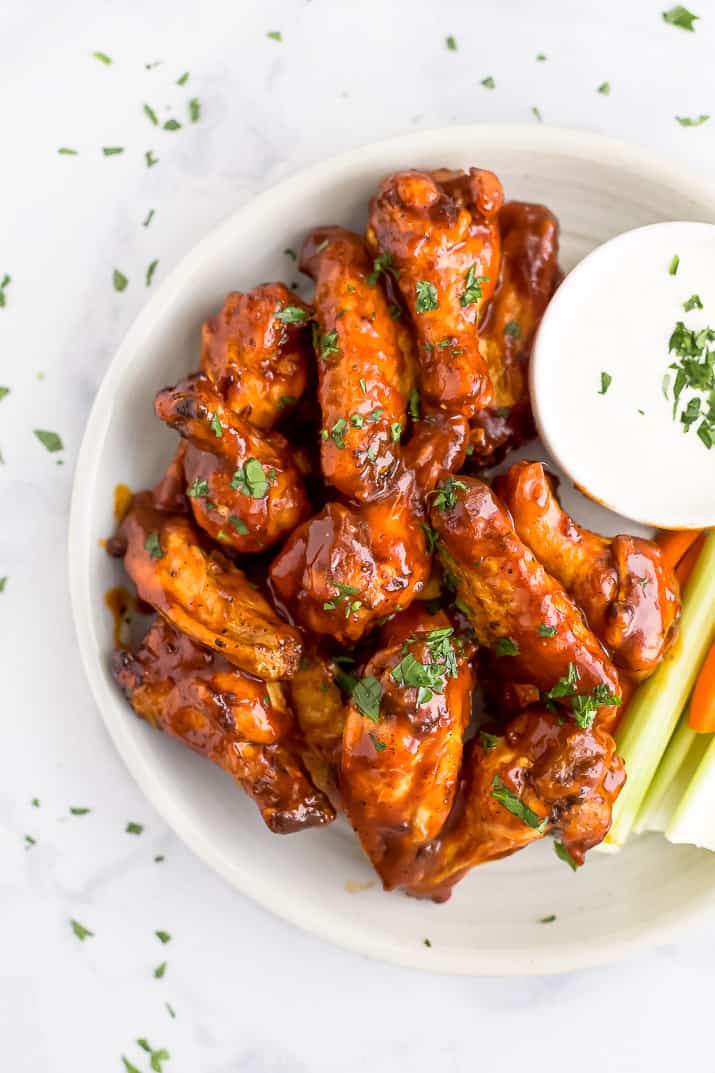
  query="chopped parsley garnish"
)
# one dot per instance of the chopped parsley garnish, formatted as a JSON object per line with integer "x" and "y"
{"x": 445, "y": 495}
{"x": 78, "y": 811}
{"x": 183, "y": 79}
{"x": 505, "y": 646}
{"x": 566, "y": 686}
{"x": 323, "y": 246}
{"x": 150, "y": 216}
{"x": 35, "y": 802}
{"x": 343, "y": 592}
{"x": 163, "y": 936}
{"x": 413, "y": 404}
{"x": 275, "y": 35}
{"x": 150, "y": 272}
{"x": 119, "y": 280}
{"x": 3, "y": 583}
{"x": 238, "y": 524}
{"x": 606, "y": 381}
{"x": 129, "y": 1067}
{"x": 357, "y": 421}
{"x": 112, "y": 150}
{"x": 286, "y": 400}
{"x": 680, "y": 16}
{"x": 431, "y": 537}
{"x": 172, "y": 124}
{"x": 250, "y": 479}
{"x": 363, "y": 385}
{"x": 512, "y": 329}
{"x": 604, "y": 88}
{"x": 153, "y": 545}
{"x": 585, "y": 707}
{"x": 194, "y": 110}
{"x": 159, "y": 971}
{"x": 427, "y": 942}
{"x": 540, "y": 57}
{"x": 537, "y": 114}
{"x": 134, "y": 828}
{"x": 692, "y": 121}
{"x": 291, "y": 315}
{"x": 80, "y": 931}
{"x": 379, "y": 745}
{"x": 451, "y": 43}
{"x": 29, "y": 841}
{"x": 427, "y": 678}
{"x": 489, "y": 82}
{"x": 546, "y": 631}
{"x": 64, "y": 151}
{"x": 170, "y": 1009}
{"x": 395, "y": 431}
{"x": 548, "y": 920}
{"x": 215, "y": 426}
{"x": 102, "y": 57}
{"x": 673, "y": 266}
{"x": 6, "y": 280}
{"x": 426, "y": 296}
{"x": 329, "y": 344}
{"x": 198, "y": 488}
{"x": 156, "y": 1056}
{"x": 513, "y": 803}
{"x": 336, "y": 432}
{"x": 692, "y": 303}
{"x": 563, "y": 855}
{"x": 382, "y": 263}
{"x": 472, "y": 289}
{"x": 151, "y": 114}
{"x": 366, "y": 696}
{"x": 374, "y": 415}
{"x": 489, "y": 741}
{"x": 394, "y": 311}
{"x": 695, "y": 371}
{"x": 50, "y": 440}
{"x": 151, "y": 160}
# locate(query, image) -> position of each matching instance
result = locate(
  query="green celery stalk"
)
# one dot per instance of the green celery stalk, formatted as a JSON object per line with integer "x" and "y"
{"x": 650, "y": 719}
{"x": 694, "y": 818}
{"x": 676, "y": 769}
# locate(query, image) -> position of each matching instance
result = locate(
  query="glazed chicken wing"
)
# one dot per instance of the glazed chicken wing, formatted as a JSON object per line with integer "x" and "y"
{"x": 437, "y": 447}
{"x": 364, "y": 362}
{"x": 535, "y": 631}
{"x": 202, "y": 594}
{"x": 347, "y": 567}
{"x": 232, "y": 718}
{"x": 528, "y": 279}
{"x": 626, "y": 590}
{"x": 254, "y": 352}
{"x": 438, "y": 233}
{"x": 245, "y": 490}
{"x": 402, "y": 745}
{"x": 545, "y": 774}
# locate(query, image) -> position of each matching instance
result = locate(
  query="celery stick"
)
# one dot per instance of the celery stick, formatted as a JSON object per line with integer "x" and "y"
{"x": 681, "y": 759}
{"x": 694, "y": 819}
{"x": 653, "y": 712}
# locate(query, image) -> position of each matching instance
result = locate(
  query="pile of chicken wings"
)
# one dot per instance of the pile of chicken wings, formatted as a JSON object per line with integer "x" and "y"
{"x": 334, "y": 575}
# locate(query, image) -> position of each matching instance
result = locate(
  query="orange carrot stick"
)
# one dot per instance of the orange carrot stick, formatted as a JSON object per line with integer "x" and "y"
{"x": 685, "y": 567}
{"x": 702, "y": 702}
{"x": 674, "y": 543}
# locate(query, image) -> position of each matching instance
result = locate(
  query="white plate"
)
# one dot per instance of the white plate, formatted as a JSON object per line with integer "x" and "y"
{"x": 597, "y": 188}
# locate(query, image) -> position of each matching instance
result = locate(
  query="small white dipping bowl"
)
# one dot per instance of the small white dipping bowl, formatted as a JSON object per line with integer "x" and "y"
{"x": 601, "y": 382}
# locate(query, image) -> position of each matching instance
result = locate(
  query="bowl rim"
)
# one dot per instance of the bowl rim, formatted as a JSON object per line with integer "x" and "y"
{"x": 553, "y": 958}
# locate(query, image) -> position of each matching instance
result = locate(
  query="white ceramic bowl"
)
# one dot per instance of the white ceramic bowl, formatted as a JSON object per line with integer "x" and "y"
{"x": 597, "y": 188}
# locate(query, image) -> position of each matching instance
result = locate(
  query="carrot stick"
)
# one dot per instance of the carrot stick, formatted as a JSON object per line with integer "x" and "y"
{"x": 685, "y": 567}
{"x": 702, "y": 702}
{"x": 674, "y": 543}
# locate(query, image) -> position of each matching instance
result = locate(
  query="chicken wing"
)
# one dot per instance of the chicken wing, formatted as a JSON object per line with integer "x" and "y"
{"x": 529, "y": 277}
{"x": 244, "y": 488}
{"x": 229, "y": 717}
{"x": 197, "y": 695}
{"x": 545, "y": 774}
{"x": 402, "y": 744}
{"x": 626, "y": 590}
{"x": 347, "y": 567}
{"x": 203, "y": 594}
{"x": 364, "y": 361}
{"x": 535, "y": 631}
{"x": 438, "y": 234}
{"x": 254, "y": 351}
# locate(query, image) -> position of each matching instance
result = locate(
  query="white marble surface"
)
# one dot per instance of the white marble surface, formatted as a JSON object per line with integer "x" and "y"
{"x": 250, "y": 993}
